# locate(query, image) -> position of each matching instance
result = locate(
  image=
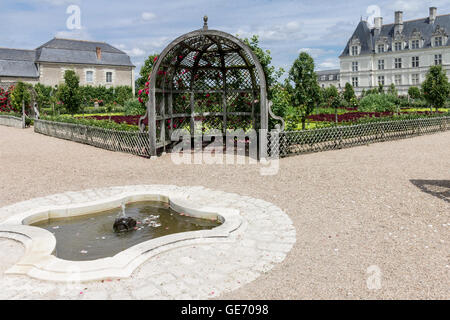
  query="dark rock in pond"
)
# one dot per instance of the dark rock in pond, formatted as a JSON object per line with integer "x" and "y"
{"x": 124, "y": 224}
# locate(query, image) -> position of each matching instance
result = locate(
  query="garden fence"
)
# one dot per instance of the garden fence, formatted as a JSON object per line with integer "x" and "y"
{"x": 280, "y": 144}
{"x": 288, "y": 143}
{"x": 136, "y": 143}
{"x": 11, "y": 121}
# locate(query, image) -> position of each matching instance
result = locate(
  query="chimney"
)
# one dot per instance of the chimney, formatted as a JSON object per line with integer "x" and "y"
{"x": 398, "y": 22}
{"x": 433, "y": 13}
{"x": 377, "y": 23}
{"x": 99, "y": 53}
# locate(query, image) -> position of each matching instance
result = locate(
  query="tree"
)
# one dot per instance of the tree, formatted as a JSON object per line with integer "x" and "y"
{"x": 272, "y": 75}
{"x": 436, "y": 88}
{"x": 393, "y": 90}
{"x": 304, "y": 88}
{"x": 43, "y": 95}
{"x": 333, "y": 99}
{"x": 69, "y": 92}
{"x": 20, "y": 95}
{"x": 349, "y": 92}
{"x": 145, "y": 71}
{"x": 281, "y": 100}
{"x": 414, "y": 93}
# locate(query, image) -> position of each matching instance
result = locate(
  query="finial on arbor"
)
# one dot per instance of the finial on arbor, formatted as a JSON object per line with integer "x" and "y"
{"x": 205, "y": 23}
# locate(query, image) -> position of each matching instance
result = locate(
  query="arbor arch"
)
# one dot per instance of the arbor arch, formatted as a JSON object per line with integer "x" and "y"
{"x": 208, "y": 76}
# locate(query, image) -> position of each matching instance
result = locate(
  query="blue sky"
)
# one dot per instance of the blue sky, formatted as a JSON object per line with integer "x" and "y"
{"x": 143, "y": 27}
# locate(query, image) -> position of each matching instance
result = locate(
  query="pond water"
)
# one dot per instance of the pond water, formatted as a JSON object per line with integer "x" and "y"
{"x": 92, "y": 237}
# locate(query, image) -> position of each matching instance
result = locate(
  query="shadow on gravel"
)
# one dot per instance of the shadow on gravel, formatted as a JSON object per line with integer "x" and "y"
{"x": 437, "y": 188}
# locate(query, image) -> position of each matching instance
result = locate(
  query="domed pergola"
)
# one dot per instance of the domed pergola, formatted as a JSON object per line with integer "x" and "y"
{"x": 208, "y": 77}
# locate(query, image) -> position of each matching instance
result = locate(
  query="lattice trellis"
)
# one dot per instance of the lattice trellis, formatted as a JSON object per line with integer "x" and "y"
{"x": 288, "y": 143}
{"x": 208, "y": 76}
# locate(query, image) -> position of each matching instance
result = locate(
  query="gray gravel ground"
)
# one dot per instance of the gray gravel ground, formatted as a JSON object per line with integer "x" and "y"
{"x": 352, "y": 208}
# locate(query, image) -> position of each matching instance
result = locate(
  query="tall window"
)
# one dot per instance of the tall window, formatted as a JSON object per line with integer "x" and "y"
{"x": 398, "y": 63}
{"x": 381, "y": 48}
{"x": 380, "y": 64}
{"x": 438, "y": 41}
{"x": 355, "y": 50}
{"x": 109, "y": 77}
{"x": 398, "y": 79}
{"x": 355, "y": 82}
{"x": 398, "y": 46}
{"x": 355, "y": 66}
{"x": 437, "y": 59}
{"x": 89, "y": 76}
{"x": 415, "y": 79}
{"x": 381, "y": 80}
{"x": 415, "y": 62}
{"x": 415, "y": 44}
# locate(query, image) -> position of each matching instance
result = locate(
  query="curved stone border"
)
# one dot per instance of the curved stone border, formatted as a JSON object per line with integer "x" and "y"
{"x": 197, "y": 268}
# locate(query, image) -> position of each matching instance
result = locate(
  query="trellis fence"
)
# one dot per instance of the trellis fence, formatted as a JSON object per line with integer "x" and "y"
{"x": 11, "y": 121}
{"x": 281, "y": 144}
{"x": 297, "y": 142}
{"x": 136, "y": 143}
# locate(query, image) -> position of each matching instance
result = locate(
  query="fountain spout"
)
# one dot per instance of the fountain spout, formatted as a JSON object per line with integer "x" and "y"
{"x": 124, "y": 223}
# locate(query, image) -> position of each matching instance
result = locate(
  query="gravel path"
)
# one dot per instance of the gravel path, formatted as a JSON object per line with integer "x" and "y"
{"x": 353, "y": 209}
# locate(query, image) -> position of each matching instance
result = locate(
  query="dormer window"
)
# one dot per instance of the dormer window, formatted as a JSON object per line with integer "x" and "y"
{"x": 398, "y": 46}
{"x": 438, "y": 41}
{"x": 415, "y": 44}
{"x": 355, "y": 46}
{"x": 416, "y": 40}
{"x": 382, "y": 44}
{"x": 439, "y": 38}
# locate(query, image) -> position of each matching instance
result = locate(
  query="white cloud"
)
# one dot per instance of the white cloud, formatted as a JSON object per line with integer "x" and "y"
{"x": 135, "y": 52}
{"x": 316, "y": 52}
{"x": 330, "y": 63}
{"x": 147, "y": 16}
{"x": 288, "y": 31}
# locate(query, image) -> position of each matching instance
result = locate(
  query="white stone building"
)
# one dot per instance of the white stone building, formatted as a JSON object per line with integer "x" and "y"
{"x": 96, "y": 63}
{"x": 399, "y": 53}
{"x": 327, "y": 78}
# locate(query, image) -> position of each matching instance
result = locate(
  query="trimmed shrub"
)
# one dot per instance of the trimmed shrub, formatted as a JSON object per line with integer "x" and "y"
{"x": 133, "y": 107}
{"x": 378, "y": 103}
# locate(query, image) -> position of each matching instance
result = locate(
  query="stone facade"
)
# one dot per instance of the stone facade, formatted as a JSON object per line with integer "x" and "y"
{"x": 52, "y": 74}
{"x": 400, "y": 53}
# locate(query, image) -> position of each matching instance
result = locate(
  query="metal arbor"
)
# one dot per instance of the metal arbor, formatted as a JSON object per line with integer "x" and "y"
{"x": 208, "y": 76}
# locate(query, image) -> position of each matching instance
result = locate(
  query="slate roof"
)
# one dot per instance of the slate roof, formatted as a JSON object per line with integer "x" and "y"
{"x": 332, "y": 72}
{"x": 81, "y": 52}
{"x": 23, "y": 63}
{"x": 369, "y": 37}
{"x": 18, "y": 63}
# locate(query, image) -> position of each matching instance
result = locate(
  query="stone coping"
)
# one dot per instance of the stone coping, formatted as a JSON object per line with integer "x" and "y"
{"x": 38, "y": 261}
{"x": 191, "y": 268}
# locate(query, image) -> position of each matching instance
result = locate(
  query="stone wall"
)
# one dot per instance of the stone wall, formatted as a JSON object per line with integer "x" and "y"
{"x": 52, "y": 74}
